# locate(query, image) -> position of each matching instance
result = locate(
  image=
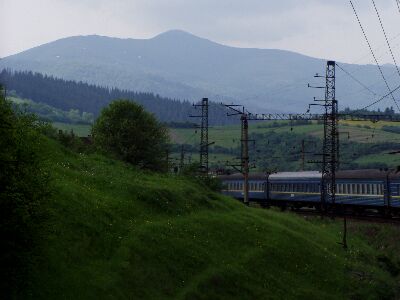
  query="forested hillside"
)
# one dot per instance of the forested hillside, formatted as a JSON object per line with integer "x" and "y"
{"x": 180, "y": 65}
{"x": 67, "y": 94}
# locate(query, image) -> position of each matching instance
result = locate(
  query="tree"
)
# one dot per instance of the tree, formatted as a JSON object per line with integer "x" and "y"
{"x": 24, "y": 190}
{"x": 127, "y": 131}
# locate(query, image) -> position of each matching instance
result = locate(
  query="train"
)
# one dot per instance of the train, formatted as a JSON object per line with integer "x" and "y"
{"x": 357, "y": 191}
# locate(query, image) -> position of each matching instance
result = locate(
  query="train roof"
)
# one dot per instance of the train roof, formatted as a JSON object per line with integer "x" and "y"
{"x": 367, "y": 173}
{"x": 296, "y": 175}
{"x": 343, "y": 174}
{"x": 254, "y": 176}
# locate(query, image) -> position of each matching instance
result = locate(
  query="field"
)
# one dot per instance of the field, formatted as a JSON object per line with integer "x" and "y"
{"x": 78, "y": 129}
{"x": 229, "y": 137}
{"x": 120, "y": 233}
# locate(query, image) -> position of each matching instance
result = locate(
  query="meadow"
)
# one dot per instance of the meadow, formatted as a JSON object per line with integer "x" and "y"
{"x": 117, "y": 232}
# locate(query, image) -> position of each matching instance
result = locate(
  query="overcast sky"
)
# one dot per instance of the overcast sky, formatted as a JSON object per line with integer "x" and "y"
{"x": 319, "y": 28}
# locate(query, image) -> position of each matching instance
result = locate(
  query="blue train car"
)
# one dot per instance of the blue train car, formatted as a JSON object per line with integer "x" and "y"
{"x": 233, "y": 186}
{"x": 297, "y": 188}
{"x": 362, "y": 188}
{"x": 355, "y": 189}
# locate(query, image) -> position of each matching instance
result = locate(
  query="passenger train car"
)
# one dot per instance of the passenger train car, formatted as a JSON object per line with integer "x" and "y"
{"x": 355, "y": 189}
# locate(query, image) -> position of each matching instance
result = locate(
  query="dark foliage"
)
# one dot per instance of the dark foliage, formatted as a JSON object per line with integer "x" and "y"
{"x": 67, "y": 95}
{"x": 126, "y": 130}
{"x": 282, "y": 152}
{"x": 395, "y": 129}
{"x": 24, "y": 189}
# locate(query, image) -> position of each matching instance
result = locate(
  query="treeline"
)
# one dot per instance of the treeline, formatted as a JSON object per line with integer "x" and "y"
{"x": 387, "y": 111}
{"x": 67, "y": 95}
{"x": 275, "y": 151}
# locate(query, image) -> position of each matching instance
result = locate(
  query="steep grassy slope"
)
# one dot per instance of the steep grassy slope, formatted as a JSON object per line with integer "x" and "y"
{"x": 118, "y": 233}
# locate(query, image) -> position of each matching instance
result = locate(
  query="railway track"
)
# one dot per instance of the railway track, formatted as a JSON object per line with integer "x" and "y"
{"x": 370, "y": 218}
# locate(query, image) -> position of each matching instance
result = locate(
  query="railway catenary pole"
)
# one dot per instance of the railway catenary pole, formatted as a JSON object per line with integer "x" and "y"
{"x": 203, "y": 136}
{"x": 245, "y": 156}
{"x": 182, "y": 158}
{"x": 244, "y": 166}
{"x": 330, "y": 142}
{"x": 302, "y": 154}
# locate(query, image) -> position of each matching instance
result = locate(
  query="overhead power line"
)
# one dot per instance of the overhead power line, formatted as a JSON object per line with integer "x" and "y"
{"x": 373, "y": 54}
{"x": 356, "y": 80}
{"x": 379, "y": 100}
{"x": 387, "y": 40}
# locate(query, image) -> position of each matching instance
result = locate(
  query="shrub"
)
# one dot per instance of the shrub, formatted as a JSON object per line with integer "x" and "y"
{"x": 130, "y": 133}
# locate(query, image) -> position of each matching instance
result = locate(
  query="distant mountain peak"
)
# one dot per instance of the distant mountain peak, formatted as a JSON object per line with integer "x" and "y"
{"x": 179, "y": 36}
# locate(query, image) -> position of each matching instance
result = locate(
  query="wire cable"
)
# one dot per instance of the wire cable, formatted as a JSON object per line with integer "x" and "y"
{"x": 387, "y": 40}
{"x": 356, "y": 80}
{"x": 373, "y": 54}
{"x": 379, "y": 100}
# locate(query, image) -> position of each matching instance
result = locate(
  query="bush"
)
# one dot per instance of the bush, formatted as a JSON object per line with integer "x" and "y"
{"x": 127, "y": 131}
{"x": 24, "y": 188}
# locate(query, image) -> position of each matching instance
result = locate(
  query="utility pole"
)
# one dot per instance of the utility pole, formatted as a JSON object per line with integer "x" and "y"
{"x": 182, "y": 160}
{"x": 244, "y": 167}
{"x": 203, "y": 136}
{"x": 302, "y": 154}
{"x": 245, "y": 156}
{"x": 330, "y": 149}
{"x": 330, "y": 144}
{"x": 167, "y": 164}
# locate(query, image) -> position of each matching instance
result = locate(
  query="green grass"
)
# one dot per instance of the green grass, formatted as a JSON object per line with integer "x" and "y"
{"x": 229, "y": 136}
{"x": 383, "y": 157}
{"x": 115, "y": 232}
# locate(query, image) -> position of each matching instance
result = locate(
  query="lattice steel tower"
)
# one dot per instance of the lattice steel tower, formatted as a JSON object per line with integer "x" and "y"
{"x": 204, "y": 137}
{"x": 331, "y": 140}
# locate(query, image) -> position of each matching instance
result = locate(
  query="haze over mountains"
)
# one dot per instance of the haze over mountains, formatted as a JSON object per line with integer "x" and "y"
{"x": 179, "y": 65}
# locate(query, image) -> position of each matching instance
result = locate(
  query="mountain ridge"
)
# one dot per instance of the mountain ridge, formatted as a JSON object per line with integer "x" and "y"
{"x": 180, "y": 65}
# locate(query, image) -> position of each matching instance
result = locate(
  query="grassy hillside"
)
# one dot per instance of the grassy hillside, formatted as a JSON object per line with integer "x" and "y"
{"x": 118, "y": 233}
{"x": 229, "y": 137}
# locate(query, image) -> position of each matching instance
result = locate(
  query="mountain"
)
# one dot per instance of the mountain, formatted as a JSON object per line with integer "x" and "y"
{"x": 52, "y": 94}
{"x": 180, "y": 65}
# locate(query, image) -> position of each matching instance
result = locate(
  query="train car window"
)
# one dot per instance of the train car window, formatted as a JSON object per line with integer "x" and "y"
{"x": 368, "y": 189}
